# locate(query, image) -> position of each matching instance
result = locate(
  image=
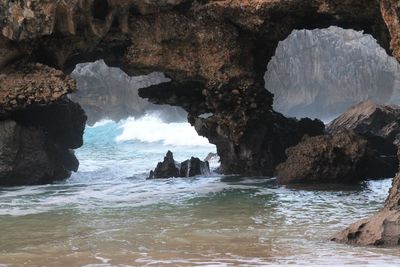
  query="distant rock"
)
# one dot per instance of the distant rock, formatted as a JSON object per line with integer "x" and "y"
{"x": 109, "y": 93}
{"x": 369, "y": 117}
{"x": 344, "y": 157}
{"x": 323, "y": 72}
{"x": 170, "y": 168}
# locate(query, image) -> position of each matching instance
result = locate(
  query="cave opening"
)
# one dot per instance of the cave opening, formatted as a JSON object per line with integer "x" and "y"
{"x": 124, "y": 129}
{"x": 108, "y": 213}
{"x": 100, "y": 9}
{"x": 323, "y": 72}
{"x": 344, "y": 78}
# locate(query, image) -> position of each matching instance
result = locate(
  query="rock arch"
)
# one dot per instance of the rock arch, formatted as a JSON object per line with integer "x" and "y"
{"x": 214, "y": 51}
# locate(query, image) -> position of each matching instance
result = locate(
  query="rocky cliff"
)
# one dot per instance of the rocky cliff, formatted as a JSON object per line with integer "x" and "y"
{"x": 214, "y": 52}
{"x": 323, "y": 72}
{"x": 109, "y": 93}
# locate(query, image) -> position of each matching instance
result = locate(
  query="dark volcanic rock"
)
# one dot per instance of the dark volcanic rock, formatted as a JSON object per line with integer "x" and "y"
{"x": 193, "y": 167}
{"x": 344, "y": 157}
{"x": 28, "y": 157}
{"x": 263, "y": 144}
{"x": 368, "y": 117}
{"x": 62, "y": 120}
{"x": 170, "y": 168}
{"x": 216, "y": 52}
{"x": 166, "y": 169}
{"x": 36, "y": 143}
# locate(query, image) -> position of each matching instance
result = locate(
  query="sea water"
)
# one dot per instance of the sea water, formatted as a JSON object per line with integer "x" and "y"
{"x": 108, "y": 214}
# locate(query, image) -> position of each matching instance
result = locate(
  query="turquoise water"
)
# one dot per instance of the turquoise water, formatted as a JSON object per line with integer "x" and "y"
{"x": 108, "y": 214}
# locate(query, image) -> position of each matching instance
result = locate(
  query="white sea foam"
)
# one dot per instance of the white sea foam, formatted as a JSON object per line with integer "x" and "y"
{"x": 101, "y": 123}
{"x": 152, "y": 129}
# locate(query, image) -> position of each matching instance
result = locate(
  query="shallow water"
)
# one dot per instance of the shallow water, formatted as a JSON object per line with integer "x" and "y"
{"x": 108, "y": 214}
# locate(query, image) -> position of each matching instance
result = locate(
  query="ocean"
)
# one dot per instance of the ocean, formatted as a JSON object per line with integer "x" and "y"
{"x": 109, "y": 214}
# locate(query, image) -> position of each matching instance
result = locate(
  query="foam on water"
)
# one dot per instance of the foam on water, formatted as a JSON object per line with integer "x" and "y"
{"x": 108, "y": 214}
{"x": 151, "y": 129}
{"x": 100, "y": 123}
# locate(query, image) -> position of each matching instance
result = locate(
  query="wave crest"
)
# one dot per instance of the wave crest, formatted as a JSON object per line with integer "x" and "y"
{"x": 152, "y": 129}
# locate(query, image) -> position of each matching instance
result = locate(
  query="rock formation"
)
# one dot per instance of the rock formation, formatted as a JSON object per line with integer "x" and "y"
{"x": 344, "y": 157}
{"x": 166, "y": 169}
{"x": 109, "y": 93}
{"x": 214, "y": 52}
{"x": 194, "y": 166}
{"x": 368, "y": 117}
{"x": 36, "y": 143}
{"x": 39, "y": 125}
{"x": 170, "y": 168}
{"x": 382, "y": 229}
{"x": 323, "y": 72}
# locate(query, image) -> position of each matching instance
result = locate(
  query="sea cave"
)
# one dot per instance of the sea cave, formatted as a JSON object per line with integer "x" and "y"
{"x": 275, "y": 126}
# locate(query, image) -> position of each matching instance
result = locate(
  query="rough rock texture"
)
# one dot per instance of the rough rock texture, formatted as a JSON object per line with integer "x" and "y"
{"x": 109, "y": 93}
{"x": 344, "y": 157}
{"x": 382, "y": 229}
{"x": 170, "y": 168}
{"x": 263, "y": 145}
{"x": 323, "y": 72}
{"x": 40, "y": 125}
{"x": 194, "y": 166}
{"x": 215, "y": 53}
{"x": 36, "y": 143}
{"x": 368, "y": 117}
{"x": 166, "y": 169}
{"x": 22, "y": 85}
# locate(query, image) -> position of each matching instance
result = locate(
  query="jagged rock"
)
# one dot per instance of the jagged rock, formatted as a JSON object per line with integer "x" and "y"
{"x": 325, "y": 71}
{"x": 25, "y": 84}
{"x": 166, "y": 169}
{"x": 214, "y": 52}
{"x": 193, "y": 167}
{"x": 99, "y": 91}
{"x": 368, "y": 117}
{"x": 170, "y": 168}
{"x": 382, "y": 229}
{"x": 344, "y": 157}
{"x": 207, "y": 48}
{"x": 263, "y": 144}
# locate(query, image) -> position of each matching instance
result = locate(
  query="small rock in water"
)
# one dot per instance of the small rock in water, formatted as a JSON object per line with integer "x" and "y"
{"x": 193, "y": 167}
{"x": 166, "y": 169}
{"x": 170, "y": 168}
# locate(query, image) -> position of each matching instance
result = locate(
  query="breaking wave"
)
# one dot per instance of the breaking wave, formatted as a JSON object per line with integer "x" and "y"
{"x": 152, "y": 129}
